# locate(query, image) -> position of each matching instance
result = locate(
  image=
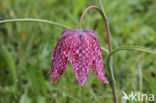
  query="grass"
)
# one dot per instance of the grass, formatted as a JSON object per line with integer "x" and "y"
{"x": 26, "y": 49}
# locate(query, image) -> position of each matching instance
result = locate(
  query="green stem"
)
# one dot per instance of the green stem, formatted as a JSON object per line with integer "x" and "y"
{"x": 124, "y": 48}
{"x": 102, "y": 9}
{"x": 34, "y": 20}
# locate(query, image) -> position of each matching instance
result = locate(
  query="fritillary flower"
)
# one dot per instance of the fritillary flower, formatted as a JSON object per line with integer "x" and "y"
{"x": 82, "y": 49}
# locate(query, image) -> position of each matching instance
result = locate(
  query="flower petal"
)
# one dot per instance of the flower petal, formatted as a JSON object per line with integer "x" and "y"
{"x": 97, "y": 60}
{"x": 59, "y": 59}
{"x": 78, "y": 58}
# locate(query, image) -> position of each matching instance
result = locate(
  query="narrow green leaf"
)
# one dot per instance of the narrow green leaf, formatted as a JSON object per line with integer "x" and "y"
{"x": 101, "y": 5}
{"x": 9, "y": 61}
{"x": 125, "y": 48}
{"x": 34, "y": 20}
{"x": 104, "y": 49}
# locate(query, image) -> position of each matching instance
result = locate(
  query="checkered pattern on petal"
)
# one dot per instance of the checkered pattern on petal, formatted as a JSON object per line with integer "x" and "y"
{"x": 78, "y": 58}
{"x": 81, "y": 48}
{"x": 97, "y": 60}
{"x": 59, "y": 59}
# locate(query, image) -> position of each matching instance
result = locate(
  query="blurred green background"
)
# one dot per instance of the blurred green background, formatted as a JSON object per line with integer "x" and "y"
{"x": 26, "y": 50}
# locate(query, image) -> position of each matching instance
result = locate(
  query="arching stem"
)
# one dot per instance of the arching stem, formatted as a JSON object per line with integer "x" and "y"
{"x": 113, "y": 84}
{"x": 105, "y": 21}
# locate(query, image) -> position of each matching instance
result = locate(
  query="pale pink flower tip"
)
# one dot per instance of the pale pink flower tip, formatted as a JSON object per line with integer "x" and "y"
{"x": 82, "y": 49}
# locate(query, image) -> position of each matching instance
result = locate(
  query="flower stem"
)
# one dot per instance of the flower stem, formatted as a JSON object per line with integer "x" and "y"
{"x": 113, "y": 84}
{"x": 34, "y": 20}
{"x": 125, "y": 48}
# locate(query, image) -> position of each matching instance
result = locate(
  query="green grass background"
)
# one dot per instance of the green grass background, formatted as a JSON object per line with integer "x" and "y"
{"x": 23, "y": 68}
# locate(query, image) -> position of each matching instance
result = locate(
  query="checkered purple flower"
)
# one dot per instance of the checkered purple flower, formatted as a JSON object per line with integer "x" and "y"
{"x": 82, "y": 49}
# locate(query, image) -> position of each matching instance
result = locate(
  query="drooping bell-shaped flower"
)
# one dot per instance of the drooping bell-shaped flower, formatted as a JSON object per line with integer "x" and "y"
{"x": 82, "y": 49}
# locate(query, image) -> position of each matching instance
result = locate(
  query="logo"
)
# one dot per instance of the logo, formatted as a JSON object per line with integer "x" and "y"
{"x": 137, "y": 96}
